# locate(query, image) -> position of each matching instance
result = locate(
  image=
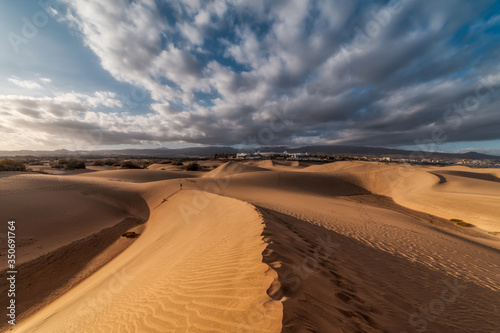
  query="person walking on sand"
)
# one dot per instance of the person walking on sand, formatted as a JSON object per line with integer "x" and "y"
{"x": 180, "y": 186}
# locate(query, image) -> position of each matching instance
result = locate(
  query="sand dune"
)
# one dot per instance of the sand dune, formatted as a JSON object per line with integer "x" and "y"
{"x": 471, "y": 196}
{"x": 165, "y": 167}
{"x": 232, "y": 168}
{"x": 279, "y": 165}
{"x": 393, "y": 252}
{"x": 62, "y": 210}
{"x": 203, "y": 274}
{"x": 473, "y": 175}
{"x": 462, "y": 193}
{"x": 333, "y": 283}
{"x": 139, "y": 176}
{"x": 339, "y": 247}
{"x": 316, "y": 184}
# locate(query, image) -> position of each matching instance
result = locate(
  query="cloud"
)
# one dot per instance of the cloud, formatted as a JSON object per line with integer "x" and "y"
{"x": 304, "y": 71}
{"x": 24, "y": 83}
{"x": 60, "y": 120}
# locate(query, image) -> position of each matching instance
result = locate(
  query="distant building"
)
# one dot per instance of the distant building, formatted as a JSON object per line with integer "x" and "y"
{"x": 297, "y": 156}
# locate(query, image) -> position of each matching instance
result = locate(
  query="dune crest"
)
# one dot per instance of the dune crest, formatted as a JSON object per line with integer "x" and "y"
{"x": 192, "y": 269}
{"x": 233, "y": 168}
{"x": 472, "y": 195}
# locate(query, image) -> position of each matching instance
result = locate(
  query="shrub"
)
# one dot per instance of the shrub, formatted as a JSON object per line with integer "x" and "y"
{"x": 75, "y": 164}
{"x": 130, "y": 234}
{"x": 110, "y": 162}
{"x": 461, "y": 223}
{"x": 193, "y": 166}
{"x": 11, "y": 165}
{"x": 69, "y": 164}
{"x": 130, "y": 165}
{"x": 165, "y": 162}
{"x": 107, "y": 162}
{"x": 177, "y": 163}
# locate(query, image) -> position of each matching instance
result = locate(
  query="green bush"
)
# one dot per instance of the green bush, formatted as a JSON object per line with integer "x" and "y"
{"x": 165, "y": 162}
{"x": 461, "y": 223}
{"x": 177, "y": 163}
{"x": 11, "y": 165}
{"x": 193, "y": 166}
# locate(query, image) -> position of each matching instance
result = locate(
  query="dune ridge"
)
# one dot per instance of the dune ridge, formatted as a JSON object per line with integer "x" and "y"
{"x": 333, "y": 283}
{"x": 232, "y": 168}
{"x": 163, "y": 286}
{"x": 463, "y": 193}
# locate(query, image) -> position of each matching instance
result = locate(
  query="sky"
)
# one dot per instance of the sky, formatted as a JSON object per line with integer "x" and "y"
{"x": 90, "y": 75}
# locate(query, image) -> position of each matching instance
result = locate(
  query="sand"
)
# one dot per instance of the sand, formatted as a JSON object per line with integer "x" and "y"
{"x": 52, "y": 211}
{"x": 262, "y": 246}
{"x": 471, "y": 195}
{"x": 179, "y": 275}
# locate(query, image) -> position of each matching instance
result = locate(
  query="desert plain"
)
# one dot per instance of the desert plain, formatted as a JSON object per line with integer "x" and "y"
{"x": 256, "y": 246}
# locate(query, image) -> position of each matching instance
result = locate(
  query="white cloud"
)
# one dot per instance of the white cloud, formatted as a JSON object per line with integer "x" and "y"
{"x": 68, "y": 120}
{"x": 24, "y": 83}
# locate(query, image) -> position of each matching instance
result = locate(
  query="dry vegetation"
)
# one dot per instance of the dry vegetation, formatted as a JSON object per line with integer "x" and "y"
{"x": 461, "y": 223}
{"x": 69, "y": 164}
{"x": 193, "y": 166}
{"x": 11, "y": 165}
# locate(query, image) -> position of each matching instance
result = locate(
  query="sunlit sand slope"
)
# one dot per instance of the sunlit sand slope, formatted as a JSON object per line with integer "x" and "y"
{"x": 204, "y": 273}
{"x": 53, "y": 211}
{"x": 232, "y": 168}
{"x": 472, "y": 195}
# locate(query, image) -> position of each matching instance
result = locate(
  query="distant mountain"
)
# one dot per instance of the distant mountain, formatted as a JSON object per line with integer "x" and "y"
{"x": 159, "y": 152}
{"x": 376, "y": 151}
{"x": 478, "y": 156}
{"x": 210, "y": 151}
